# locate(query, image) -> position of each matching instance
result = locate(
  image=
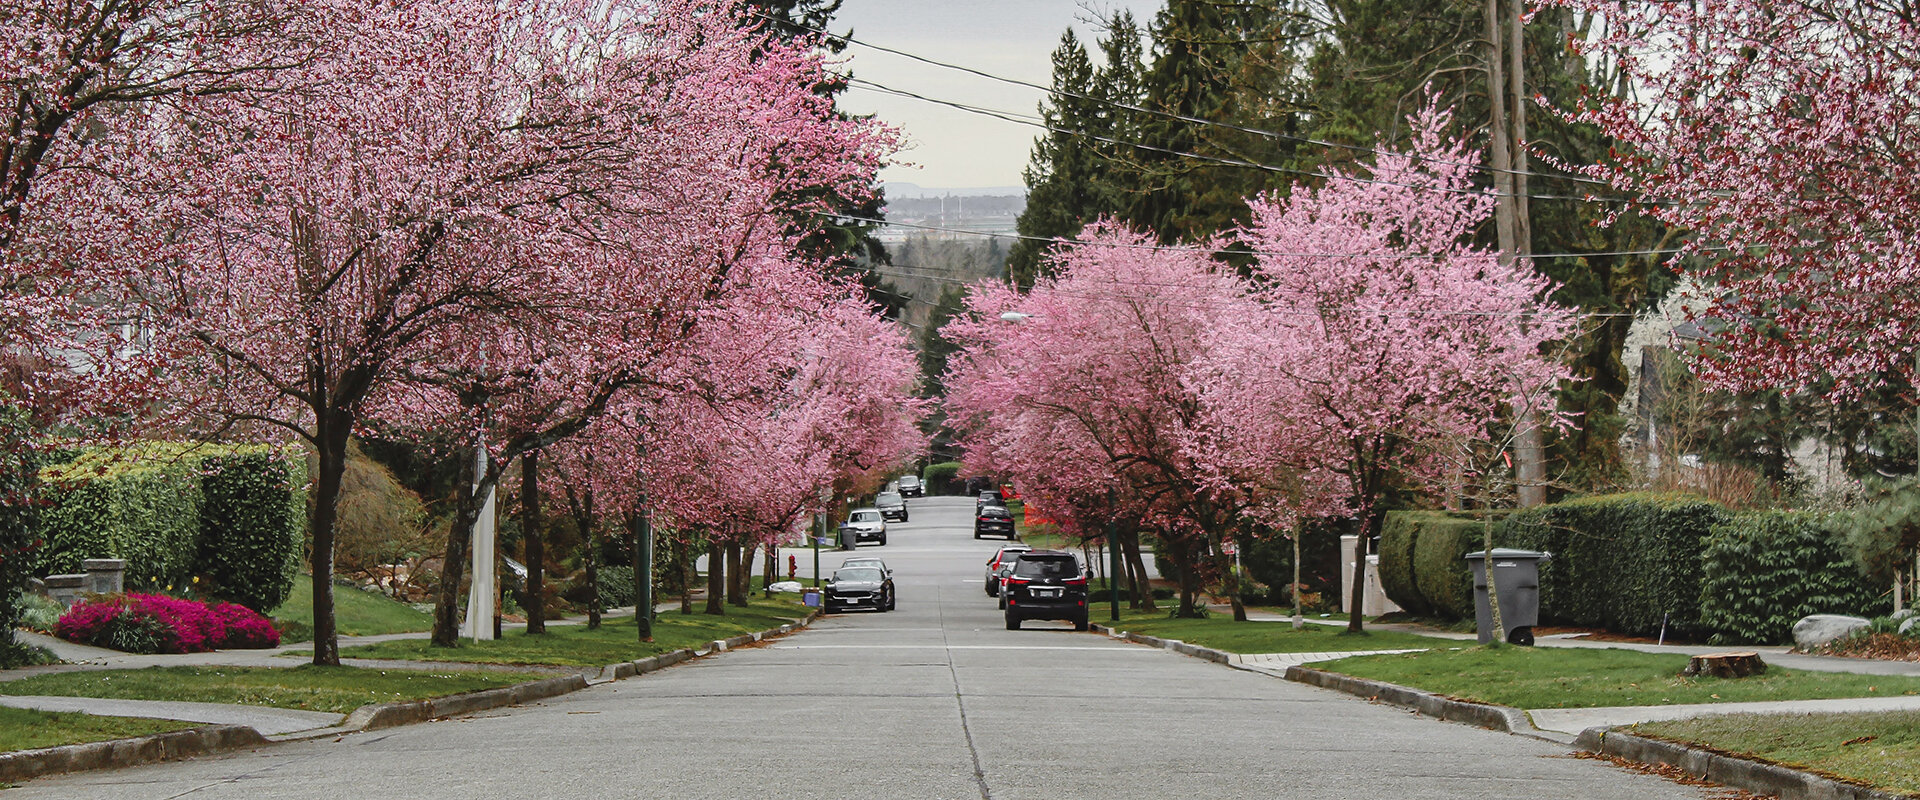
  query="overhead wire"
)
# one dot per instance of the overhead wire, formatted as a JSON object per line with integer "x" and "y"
{"x": 1191, "y": 249}
{"x": 1016, "y": 118}
{"x": 1057, "y": 92}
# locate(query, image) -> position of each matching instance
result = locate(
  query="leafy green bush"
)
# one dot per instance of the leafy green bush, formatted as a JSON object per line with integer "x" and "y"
{"x": 616, "y": 586}
{"x": 38, "y": 612}
{"x": 19, "y": 531}
{"x": 140, "y": 503}
{"x": 252, "y": 526}
{"x": 1399, "y": 533}
{"x": 939, "y": 478}
{"x": 232, "y": 515}
{"x": 1762, "y": 571}
{"x": 1423, "y": 565}
{"x": 1621, "y": 562}
{"x": 1270, "y": 561}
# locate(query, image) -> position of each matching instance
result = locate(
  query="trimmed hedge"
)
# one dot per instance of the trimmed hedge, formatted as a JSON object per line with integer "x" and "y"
{"x": 140, "y": 503}
{"x": 1423, "y": 565}
{"x": 232, "y": 516}
{"x": 252, "y": 526}
{"x": 939, "y": 478}
{"x": 1762, "y": 571}
{"x": 1621, "y": 562}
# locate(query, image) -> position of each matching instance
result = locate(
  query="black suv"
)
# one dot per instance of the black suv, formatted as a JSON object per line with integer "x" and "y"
{"x": 992, "y": 520}
{"x": 1046, "y": 584}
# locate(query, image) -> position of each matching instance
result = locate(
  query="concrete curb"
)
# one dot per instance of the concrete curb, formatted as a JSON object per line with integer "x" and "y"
{"x": 169, "y": 746}
{"x": 1175, "y": 645}
{"x": 1485, "y": 715}
{"x": 1743, "y": 773}
{"x": 173, "y": 745}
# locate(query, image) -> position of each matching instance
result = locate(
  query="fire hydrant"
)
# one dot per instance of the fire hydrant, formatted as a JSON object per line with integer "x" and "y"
{"x": 793, "y": 567}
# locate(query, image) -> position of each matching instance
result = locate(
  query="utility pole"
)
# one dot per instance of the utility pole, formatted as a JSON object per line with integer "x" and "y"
{"x": 1507, "y": 126}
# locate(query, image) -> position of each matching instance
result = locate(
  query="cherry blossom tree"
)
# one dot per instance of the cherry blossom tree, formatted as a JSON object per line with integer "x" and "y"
{"x": 1780, "y": 134}
{"x": 1091, "y": 395}
{"x": 1383, "y": 333}
{"x": 537, "y": 196}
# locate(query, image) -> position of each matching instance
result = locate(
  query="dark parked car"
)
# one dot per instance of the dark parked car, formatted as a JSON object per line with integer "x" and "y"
{"x": 891, "y": 505}
{"x": 859, "y": 587}
{"x": 910, "y": 486}
{"x": 1003, "y": 556}
{"x": 1046, "y": 584}
{"x": 990, "y": 497}
{"x": 993, "y": 520}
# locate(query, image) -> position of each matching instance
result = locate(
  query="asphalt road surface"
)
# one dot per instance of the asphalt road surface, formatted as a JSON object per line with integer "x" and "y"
{"x": 934, "y": 700}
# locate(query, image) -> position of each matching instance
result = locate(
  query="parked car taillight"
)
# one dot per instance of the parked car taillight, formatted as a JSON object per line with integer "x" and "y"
{"x": 1076, "y": 582}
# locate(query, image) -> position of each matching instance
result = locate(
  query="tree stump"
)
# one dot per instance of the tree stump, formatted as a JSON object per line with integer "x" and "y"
{"x": 1725, "y": 665}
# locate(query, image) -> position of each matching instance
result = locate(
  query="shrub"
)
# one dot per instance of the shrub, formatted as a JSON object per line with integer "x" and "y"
{"x": 252, "y": 526}
{"x": 140, "y": 504}
{"x": 1620, "y": 562}
{"x": 616, "y": 586}
{"x": 1270, "y": 561}
{"x": 1423, "y": 564}
{"x": 1762, "y": 571}
{"x": 939, "y": 478}
{"x": 151, "y": 623}
{"x": 38, "y": 613}
{"x": 19, "y": 531}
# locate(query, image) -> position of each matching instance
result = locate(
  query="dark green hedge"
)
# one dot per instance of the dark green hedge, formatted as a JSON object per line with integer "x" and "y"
{"x": 1762, "y": 571}
{"x": 939, "y": 478}
{"x": 233, "y": 516}
{"x": 141, "y": 504}
{"x": 1621, "y": 561}
{"x": 252, "y": 527}
{"x": 1423, "y": 566}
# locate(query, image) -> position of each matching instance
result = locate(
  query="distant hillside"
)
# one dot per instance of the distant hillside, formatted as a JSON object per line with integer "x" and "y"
{"x": 904, "y": 189}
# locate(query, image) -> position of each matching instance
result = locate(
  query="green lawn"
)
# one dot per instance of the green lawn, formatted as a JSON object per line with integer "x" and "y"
{"x": 615, "y": 641}
{"x": 26, "y": 729}
{"x": 309, "y": 688}
{"x": 1554, "y": 677}
{"x": 1220, "y": 632}
{"x": 356, "y": 612}
{"x": 1880, "y": 749}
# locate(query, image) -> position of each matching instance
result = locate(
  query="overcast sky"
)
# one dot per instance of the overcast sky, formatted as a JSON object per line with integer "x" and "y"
{"x": 1012, "y": 38}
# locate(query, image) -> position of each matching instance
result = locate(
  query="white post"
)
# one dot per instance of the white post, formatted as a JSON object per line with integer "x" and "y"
{"x": 478, "y": 625}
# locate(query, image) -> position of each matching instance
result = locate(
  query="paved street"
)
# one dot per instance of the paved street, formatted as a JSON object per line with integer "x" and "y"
{"x": 935, "y": 700}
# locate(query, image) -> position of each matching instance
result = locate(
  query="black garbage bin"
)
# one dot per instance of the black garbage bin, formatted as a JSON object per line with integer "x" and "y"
{"x": 1516, "y": 577}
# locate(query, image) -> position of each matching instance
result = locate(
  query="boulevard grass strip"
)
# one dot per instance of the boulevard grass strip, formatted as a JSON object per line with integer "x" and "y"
{"x": 614, "y": 642}
{"x": 1880, "y": 749}
{"x": 1553, "y": 677}
{"x": 27, "y": 729}
{"x": 308, "y": 688}
{"x": 1220, "y": 632}
{"x": 355, "y": 611}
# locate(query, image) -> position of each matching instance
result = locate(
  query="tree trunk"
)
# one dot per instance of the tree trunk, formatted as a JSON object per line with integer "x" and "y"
{"x": 530, "y": 533}
{"x": 1299, "y": 619}
{"x": 1188, "y": 567}
{"x": 332, "y": 432}
{"x": 740, "y": 581}
{"x": 1224, "y": 563}
{"x": 772, "y": 569}
{"x": 593, "y": 576}
{"x": 717, "y": 579}
{"x": 1506, "y": 101}
{"x": 1142, "y": 587}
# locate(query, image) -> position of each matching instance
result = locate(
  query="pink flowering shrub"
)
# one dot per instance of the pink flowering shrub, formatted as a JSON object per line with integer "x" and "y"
{"x": 152, "y": 623}
{"x": 246, "y": 628}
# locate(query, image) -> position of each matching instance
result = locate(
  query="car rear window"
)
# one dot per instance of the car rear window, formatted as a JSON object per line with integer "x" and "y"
{"x": 995, "y": 511}
{"x": 866, "y": 516}
{"x": 1046, "y": 567}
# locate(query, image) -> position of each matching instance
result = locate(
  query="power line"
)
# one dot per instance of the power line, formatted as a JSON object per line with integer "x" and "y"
{"x": 1187, "y": 249}
{"x": 1017, "y": 118}
{"x": 1051, "y": 91}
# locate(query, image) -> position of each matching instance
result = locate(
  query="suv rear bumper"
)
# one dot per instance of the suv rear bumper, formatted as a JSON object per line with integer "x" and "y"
{"x": 1067, "y": 609}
